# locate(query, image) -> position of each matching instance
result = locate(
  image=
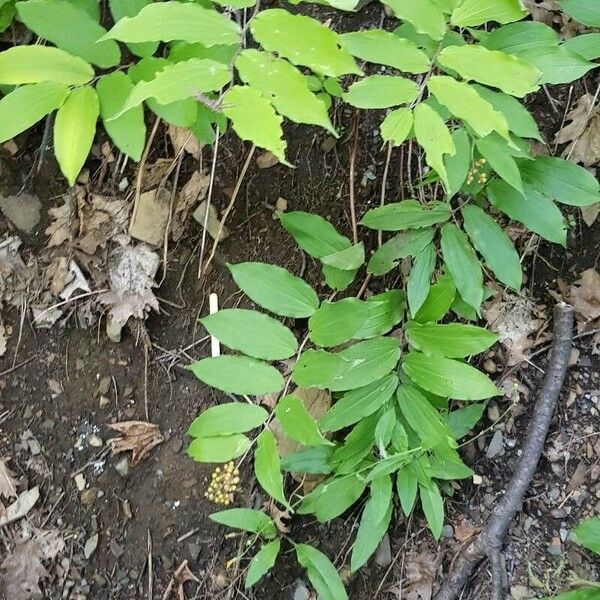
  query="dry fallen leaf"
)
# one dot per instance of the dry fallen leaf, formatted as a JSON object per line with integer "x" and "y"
{"x": 181, "y": 576}
{"x": 266, "y": 159}
{"x": 151, "y": 216}
{"x": 3, "y": 340}
{"x": 64, "y": 223}
{"x": 184, "y": 139}
{"x": 585, "y": 297}
{"x": 589, "y": 214}
{"x": 420, "y": 576}
{"x": 278, "y": 517}
{"x": 464, "y": 531}
{"x": 102, "y": 218}
{"x": 138, "y": 436}
{"x": 8, "y": 482}
{"x": 21, "y": 506}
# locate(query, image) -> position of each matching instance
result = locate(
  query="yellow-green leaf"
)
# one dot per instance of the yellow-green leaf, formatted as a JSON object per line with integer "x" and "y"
{"x": 471, "y": 13}
{"x": 424, "y": 15}
{"x": 381, "y": 91}
{"x": 219, "y": 448}
{"x": 267, "y": 466}
{"x": 396, "y": 126}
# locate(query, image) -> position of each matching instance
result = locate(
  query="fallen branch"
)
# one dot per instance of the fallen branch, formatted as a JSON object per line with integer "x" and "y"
{"x": 489, "y": 542}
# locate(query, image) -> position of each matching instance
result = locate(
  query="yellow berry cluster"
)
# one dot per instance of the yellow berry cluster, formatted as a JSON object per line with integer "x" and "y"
{"x": 475, "y": 173}
{"x": 224, "y": 482}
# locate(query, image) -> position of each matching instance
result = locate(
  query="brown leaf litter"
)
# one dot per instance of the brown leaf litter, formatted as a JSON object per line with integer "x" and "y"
{"x": 182, "y": 575}
{"x": 138, "y": 436}
{"x": 183, "y": 139}
{"x": 584, "y": 295}
{"x": 420, "y": 576}
{"x": 193, "y": 192}
{"x": 8, "y": 481}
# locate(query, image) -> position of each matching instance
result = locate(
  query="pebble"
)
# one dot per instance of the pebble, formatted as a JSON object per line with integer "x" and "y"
{"x": 104, "y": 402}
{"x": 383, "y": 555}
{"x": 90, "y": 546}
{"x": 104, "y": 386}
{"x": 23, "y": 211}
{"x": 301, "y": 591}
{"x": 493, "y": 413}
{"x": 48, "y": 424}
{"x": 89, "y": 496}
{"x": 80, "y": 482}
{"x": 496, "y": 445}
{"x": 447, "y": 531}
{"x": 555, "y": 547}
{"x": 95, "y": 441}
{"x": 122, "y": 467}
{"x": 489, "y": 366}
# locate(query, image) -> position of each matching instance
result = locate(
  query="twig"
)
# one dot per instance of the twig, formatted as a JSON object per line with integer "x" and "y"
{"x": 386, "y": 170}
{"x": 351, "y": 182}
{"x": 489, "y": 542}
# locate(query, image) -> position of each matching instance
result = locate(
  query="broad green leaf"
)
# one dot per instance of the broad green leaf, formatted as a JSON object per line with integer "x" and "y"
{"x": 357, "y": 404}
{"x": 246, "y": 519}
{"x": 459, "y": 165}
{"x": 221, "y": 53}
{"x": 384, "y": 48}
{"x": 314, "y": 234}
{"x": 385, "y": 311}
{"x": 433, "y": 508}
{"x": 462, "y": 420}
{"x": 357, "y": 446}
{"x": 381, "y": 91}
{"x": 434, "y": 137}
{"x": 267, "y": 466}
{"x": 453, "y": 340}
{"x": 471, "y": 13}
{"x": 180, "y": 81}
{"x": 374, "y": 522}
{"x": 425, "y": 16}
{"x": 218, "y": 449}
{"x": 7, "y": 14}
{"x": 128, "y": 132}
{"x": 321, "y": 573}
{"x": 74, "y": 130}
{"x": 462, "y": 264}
{"x": 557, "y": 64}
{"x": 357, "y": 366}
{"x": 439, "y": 300}
{"x": 237, "y": 4}
{"x": 334, "y": 323}
{"x": 396, "y": 126}
{"x": 130, "y": 8}
{"x": 314, "y": 460}
{"x": 561, "y": 180}
{"x": 464, "y": 311}
{"x": 447, "y": 6}
{"x": 28, "y": 104}
{"x": 447, "y": 377}
{"x": 275, "y": 289}
{"x": 284, "y": 86}
{"x": 586, "y": 12}
{"x": 71, "y": 28}
{"x": 303, "y": 41}
{"x": 407, "y": 243}
{"x": 577, "y": 594}
{"x": 494, "y": 245}
{"x": 587, "y": 45}
{"x": 421, "y": 40}
{"x": 419, "y": 279}
{"x": 337, "y": 279}
{"x": 490, "y": 67}
{"x": 408, "y": 214}
{"x": 519, "y": 119}
{"x": 34, "y": 64}
{"x": 407, "y": 487}
{"x": 252, "y": 333}
{"x": 262, "y": 562}
{"x": 333, "y": 497}
{"x": 297, "y": 423}
{"x": 238, "y": 375}
{"x": 495, "y": 150}
{"x": 516, "y": 37}
{"x": 349, "y": 259}
{"x": 182, "y": 21}
{"x": 384, "y": 429}
{"x": 254, "y": 119}
{"x": 588, "y": 534}
{"x": 463, "y": 101}
{"x": 228, "y": 418}
{"x": 534, "y": 210}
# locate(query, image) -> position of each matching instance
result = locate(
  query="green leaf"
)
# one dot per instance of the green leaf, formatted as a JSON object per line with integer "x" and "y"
{"x": 453, "y": 340}
{"x": 495, "y": 150}
{"x": 419, "y": 280}
{"x": 130, "y": 8}
{"x": 252, "y": 333}
{"x": 403, "y": 245}
{"x": 384, "y": 48}
{"x": 303, "y": 41}
{"x": 349, "y": 259}
{"x": 447, "y": 377}
{"x": 357, "y": 404}
{"x": 333, "y": 497}
{"x": 374, "y": 522}
{"x": 182, "y": 21}
{"x": 433, "y": 508}
{"x": 284, "y": 86}
{"x": 321, "y": 573}
{"x": 337, "y": 279}
{"x": 128, "y": 131}
{"x": 334, "y": 323}
{"x": 462, "y": 420}
{"x": 463, "y": 101}
{"x": 297, "y": 423}
{"x": 586, "y": 12}
{"x": 74, "y": 130}
{"x": 237, "y": 4}
{"x": 434, "y": 137}
{"x": 561, "y": 180}
{"x": 314, "y": 460}
{"x": 384, "y": 429}
{"x": 490, "y": 67}
{"x": 462, "y": 264}
{"x": 407, "y": 487}
{"x": 516, "y": 37}
{"x": 459, "y": 165}
{"x": 218, "y": 449}
{"x": 534, "y": 210}
{"x": 221, "y": 53}
{"x": 254, "y": 119}
{"x": 494, "y": 245}
{"x": 385, "y": 311}
{"x": 396, "y": 126}
{"x": 267, "y": 466}
{"x": 71, "y": 28}
{"x": 35, "y": 64}
{"x": 471, "y": 13}
{"x": 588, "y": 534}
{"x": 246, "y": 519}
{"x": 557, "y": 64}
{"x": 381, "y": 91}
{"x": 228, "y": 418}
{"x": 354, "y": 367}
{"x": 439, "y": 300}
{"x": 587, "y": 45}
{"x": 578, "y": 594}
{"x": 424, "y": 16}
{"x": 407, "y": 214}
{"x": 262, "y": 562}
{"x": 28, "y": 104}
{"x": 238, "y": 375}
{"x": 275, "y": 289}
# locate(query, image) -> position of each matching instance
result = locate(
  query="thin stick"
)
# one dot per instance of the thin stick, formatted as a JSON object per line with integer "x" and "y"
{"x": 150, "y": 568}
{"x": 351, "y": 177}
{"x": 386, "y": 170}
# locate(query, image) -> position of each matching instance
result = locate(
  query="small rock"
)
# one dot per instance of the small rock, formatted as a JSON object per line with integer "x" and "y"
{"x": 48, "y": 424}
{"x": 477, "y": 479}
{"x": 281, "y": 204}
{"x": 521, "y": 592}
{"x": 80, "y": 482}
{"x": 496, "y": 445}
{"x": 564, "y": 534}
{"x": 447, "y": 531}
{"x": 301, "y": 591}
{"x": 213, "y": 223}
{"x": 555, "y": 547}
{"x": 383, "y": 555}
{"x": 328, "y": 144}
{"x": 122, "y": 467}
{"x": 489, "y": 366}
{"x": 104, "y": 386}
{"x": 493, "y": 412}
{"x": 88, "y": 496}
{"x": 116, "y": 549}
{"x": 104, "y": 402}
{"x": 90, "y": 546}
{"x": 558, "y": 513}
{"x": 194, "y": 550}
{"x": 23, "y": 211}
{"x": 95, "y": 441}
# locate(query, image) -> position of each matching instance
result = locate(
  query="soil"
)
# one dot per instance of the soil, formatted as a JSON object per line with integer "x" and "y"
{"x": 53, "y": 385}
